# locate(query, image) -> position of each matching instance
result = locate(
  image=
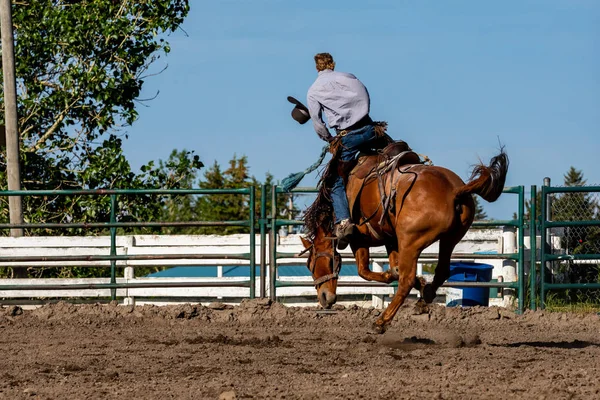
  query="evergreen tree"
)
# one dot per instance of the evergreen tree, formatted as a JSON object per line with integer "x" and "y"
{"x": 237, "y": 206}
{"x": 576, "y": 207}
{"x": 212, "y": 207}
{"x": 538, "y": 206}
{"x": 179, "y": 208}
{"x": 283, "y": 200}
{"x": 480, "y": 213}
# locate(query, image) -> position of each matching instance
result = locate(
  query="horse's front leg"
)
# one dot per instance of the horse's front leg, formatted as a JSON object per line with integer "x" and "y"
{"x": 392, "y": 250}
{"x": 419, "y": 283}
{"x": 408, "y": 274}
{"x": 361, "y": 254}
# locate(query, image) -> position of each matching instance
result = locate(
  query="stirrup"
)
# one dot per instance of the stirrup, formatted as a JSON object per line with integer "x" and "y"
{"x": 343, "y": 242}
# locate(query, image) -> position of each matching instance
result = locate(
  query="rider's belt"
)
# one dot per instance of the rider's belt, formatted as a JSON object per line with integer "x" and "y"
{"x": 366, "y": 120}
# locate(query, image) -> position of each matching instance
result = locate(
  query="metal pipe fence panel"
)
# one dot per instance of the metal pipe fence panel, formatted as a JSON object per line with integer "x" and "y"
{"x": 570, "y": 245}
{"x": 519, "y": 256}
{"x": 113, "y": 224}
{"x": 567, "y": 220}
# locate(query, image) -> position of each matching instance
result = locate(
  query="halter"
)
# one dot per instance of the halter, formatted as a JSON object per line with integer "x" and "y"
{"x": 337, "y": 265}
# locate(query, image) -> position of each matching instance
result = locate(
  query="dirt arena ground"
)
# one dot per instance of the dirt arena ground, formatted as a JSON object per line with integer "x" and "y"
{"x": 261, "y": 350}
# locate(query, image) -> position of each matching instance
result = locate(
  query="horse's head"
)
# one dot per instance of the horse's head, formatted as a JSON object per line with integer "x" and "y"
{"x": 324, "y": 263}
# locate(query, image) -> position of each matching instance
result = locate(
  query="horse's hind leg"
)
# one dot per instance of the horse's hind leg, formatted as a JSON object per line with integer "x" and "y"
{"x": 421, "y": 307}
{"x": 442, "y": 270}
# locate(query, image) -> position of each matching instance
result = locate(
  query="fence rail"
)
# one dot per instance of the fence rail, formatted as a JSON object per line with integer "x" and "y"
{"x": 266, "y": 228}
{"x": 578, "y": 210}
{"x": 113, "y": 225}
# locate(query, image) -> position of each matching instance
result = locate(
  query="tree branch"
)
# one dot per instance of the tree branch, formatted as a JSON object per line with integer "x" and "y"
{"x": 53, "y": 128}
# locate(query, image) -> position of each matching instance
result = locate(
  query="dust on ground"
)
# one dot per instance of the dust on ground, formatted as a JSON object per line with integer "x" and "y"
{"x": 264, "y": 350}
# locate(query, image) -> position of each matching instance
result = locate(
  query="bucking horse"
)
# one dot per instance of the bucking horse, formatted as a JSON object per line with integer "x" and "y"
{"x": 399, "y": 202}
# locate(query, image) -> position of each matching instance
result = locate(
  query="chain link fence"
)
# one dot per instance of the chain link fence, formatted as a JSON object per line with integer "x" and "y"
{"x": 581, "y": 206}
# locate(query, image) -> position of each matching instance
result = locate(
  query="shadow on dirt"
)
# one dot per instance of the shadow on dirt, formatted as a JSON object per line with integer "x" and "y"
{"x": 409, "y": 344}
{"x": 575, "y": 344}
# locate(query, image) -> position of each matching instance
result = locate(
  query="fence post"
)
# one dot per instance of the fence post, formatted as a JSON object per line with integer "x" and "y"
{"x": 521, "y": 250}
{"x": 113, "y": 246}
{"x": 378, "y": 300}
{"x": 263, "y": 241}
{"x": 252, "y": 244}
{"x": 548, "y": 210}
{"x": 533, "y": 248}
{"x": 509, "y": 267}
{"x": 273, "y": 245}
{"x": 545, "y": 238}
{"x": 128, "y": 274}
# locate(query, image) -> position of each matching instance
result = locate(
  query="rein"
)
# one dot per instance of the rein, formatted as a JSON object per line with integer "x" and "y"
{"x": 337, "y": 265}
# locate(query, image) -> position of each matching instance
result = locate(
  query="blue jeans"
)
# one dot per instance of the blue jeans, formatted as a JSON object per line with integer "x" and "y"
{"x": 352, "y": 143}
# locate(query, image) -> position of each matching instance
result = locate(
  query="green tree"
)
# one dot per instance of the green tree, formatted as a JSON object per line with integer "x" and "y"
{"x": 224, "y": 207}
{"x": 235, "y": 207}
{"x": 179, "y": 208}
{"x": 480, "y": 213}
{"x": 538, "y": 206}
{"x": 577, "y": 206}
{"x": 283, "y": 211}
{"x": 81, "y": 67}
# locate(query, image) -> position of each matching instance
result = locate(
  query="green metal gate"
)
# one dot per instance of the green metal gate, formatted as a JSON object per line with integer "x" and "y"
{"x": 585, "y": 254}
{"x": 113, "y": 225}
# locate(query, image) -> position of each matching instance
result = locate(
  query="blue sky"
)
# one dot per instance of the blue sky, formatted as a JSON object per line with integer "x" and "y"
{"x": 451, "y": 78}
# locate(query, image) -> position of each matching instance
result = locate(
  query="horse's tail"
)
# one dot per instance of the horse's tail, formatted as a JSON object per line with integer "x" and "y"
{"x": 487, "y": 181}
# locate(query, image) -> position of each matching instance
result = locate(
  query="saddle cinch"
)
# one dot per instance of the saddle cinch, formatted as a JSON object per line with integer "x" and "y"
{"x": 374, "y": 165}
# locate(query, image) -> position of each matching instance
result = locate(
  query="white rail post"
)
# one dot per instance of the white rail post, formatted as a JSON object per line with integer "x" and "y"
{"x": 219, "y": 275}
{"x": 509, "y": 267}
{"x": 128, "y": 273}
{"x": 378, "y": 300}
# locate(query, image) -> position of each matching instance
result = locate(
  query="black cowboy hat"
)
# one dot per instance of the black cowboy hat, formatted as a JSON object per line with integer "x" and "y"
{"x": 300, "y": 112}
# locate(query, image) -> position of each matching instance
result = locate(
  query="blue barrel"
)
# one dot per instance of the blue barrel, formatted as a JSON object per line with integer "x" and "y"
{"x": 469, "y": 272}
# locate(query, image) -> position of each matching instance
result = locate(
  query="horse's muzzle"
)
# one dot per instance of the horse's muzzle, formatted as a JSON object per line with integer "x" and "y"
{"x": 327, "y": 298}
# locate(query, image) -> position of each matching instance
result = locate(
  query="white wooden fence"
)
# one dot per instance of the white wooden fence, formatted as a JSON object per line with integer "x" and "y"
{"x": 476, "y": 241}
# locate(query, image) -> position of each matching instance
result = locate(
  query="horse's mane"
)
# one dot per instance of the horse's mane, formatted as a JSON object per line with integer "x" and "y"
{"x": 320, "y": 213}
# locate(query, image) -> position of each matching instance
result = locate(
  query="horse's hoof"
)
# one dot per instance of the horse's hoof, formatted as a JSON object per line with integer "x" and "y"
{"x": 421, "y": 307}
{"x": 379, "y": 328}
{"x": 388, "y": 277}
{"x": 428, "y": 293}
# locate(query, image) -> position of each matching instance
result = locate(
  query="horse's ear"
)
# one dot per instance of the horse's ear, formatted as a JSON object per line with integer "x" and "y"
{"x": 305, "y": 242}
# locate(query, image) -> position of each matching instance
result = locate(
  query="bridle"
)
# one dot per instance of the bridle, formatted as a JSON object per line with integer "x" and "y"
{"x": 336, "y": 260}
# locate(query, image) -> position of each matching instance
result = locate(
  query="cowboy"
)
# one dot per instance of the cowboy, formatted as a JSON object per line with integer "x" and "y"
{"x": 345, "y": 102}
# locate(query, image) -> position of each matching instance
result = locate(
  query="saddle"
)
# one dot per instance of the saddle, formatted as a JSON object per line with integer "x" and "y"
{"x": 386, "y": 156}
{"x": 398, "y": 151}
{"x": 376, "y": 166}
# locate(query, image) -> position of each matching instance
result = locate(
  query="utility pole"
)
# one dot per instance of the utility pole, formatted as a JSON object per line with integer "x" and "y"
{"x": 13, "y": 169}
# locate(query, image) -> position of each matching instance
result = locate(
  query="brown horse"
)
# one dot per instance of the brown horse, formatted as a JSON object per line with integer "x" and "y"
{"x": 406, "y": 209}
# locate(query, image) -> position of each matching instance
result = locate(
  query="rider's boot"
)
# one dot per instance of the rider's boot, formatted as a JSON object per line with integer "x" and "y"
{"x": 343, "y": 232}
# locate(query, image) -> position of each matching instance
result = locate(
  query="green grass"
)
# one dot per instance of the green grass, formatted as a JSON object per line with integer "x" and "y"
{"x": 583, "y": 304}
